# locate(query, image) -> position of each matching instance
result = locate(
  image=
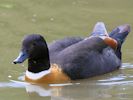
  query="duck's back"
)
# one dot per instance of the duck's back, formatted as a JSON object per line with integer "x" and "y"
{"x": 57, "y": 46}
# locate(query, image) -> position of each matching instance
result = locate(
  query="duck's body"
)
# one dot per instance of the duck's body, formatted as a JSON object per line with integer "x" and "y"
{"x": 86, "y": 61}
{"x": 72, "y": 58}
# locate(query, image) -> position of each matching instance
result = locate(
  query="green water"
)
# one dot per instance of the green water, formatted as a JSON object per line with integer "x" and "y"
{"x": 55, "y": 19}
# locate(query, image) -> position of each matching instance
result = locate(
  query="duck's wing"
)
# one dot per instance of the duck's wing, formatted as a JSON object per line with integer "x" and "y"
{"x": 79, "y": 46}
{"x": 59, "y": 45}
{"x": 89, "y": 44}
{"x": 63, "y": 43}
{"x": 80, "y": 50}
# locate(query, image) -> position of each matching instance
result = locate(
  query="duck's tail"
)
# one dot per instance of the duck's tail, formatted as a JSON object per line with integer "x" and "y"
{"x": 120, "y": 33}
{"x": 99, "y": 30}
{"x": 117, "y": 36}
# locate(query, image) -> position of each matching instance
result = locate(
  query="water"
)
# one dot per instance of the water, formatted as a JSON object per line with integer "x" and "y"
{"x": 55, "y": 19}
{"x": 112, "y": 86}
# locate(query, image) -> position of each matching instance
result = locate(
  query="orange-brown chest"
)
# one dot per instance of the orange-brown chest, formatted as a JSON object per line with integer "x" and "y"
{"x": 56, "y": 75}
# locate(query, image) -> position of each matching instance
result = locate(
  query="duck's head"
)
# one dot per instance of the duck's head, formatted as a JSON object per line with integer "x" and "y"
{"x": 34, "y": 48}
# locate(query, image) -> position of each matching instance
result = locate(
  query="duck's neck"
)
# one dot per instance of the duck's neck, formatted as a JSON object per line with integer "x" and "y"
{"x": 39, "y": 65}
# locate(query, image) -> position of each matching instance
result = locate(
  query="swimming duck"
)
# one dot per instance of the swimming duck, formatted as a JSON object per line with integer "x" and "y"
{"x": 72, "y": 58}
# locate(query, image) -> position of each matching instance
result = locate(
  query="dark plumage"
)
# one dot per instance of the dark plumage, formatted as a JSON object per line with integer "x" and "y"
{"x": 78, "y": 57}
{"x": 87, "y": 58}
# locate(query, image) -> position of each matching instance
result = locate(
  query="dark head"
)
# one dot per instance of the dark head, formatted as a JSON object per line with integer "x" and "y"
{"x": 34, "y": 48}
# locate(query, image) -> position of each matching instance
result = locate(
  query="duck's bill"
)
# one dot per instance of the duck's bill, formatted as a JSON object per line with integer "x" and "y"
{"x": 21, "y": 58}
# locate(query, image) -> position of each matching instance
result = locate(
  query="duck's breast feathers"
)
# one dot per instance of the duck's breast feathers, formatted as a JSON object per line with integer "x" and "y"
{"x": 54, "y": 75}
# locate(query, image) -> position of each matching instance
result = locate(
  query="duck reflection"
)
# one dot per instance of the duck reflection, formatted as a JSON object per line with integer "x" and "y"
{"x": 70, "y": 91}
{"x": 48, "y": 91}
{"x": 40, "y": 90}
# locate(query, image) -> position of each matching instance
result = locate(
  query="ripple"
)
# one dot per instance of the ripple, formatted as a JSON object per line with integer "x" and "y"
{"x": 12, "y": 84}
{"x": 65, "y": 84}
{"x": 116, "y": 83}
{"x": 119, "y": 78}
{"x": 126, "y": 65}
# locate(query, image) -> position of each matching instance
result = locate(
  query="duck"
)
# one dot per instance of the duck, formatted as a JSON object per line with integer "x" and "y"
{"x": 72, "y": 58}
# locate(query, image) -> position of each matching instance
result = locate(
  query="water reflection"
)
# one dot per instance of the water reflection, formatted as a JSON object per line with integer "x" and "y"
{"x": 11, "y": 84}
{"x": 126, "y": 65}
{"x": 87, "y": 90}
